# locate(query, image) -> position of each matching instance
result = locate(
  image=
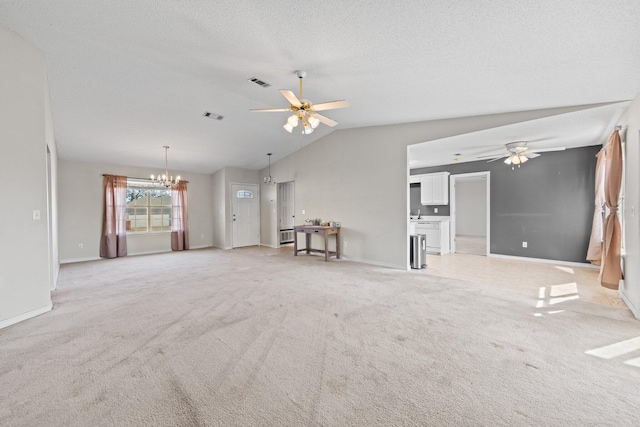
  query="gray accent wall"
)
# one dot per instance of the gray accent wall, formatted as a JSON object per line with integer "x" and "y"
{"x": 548, "y": 203}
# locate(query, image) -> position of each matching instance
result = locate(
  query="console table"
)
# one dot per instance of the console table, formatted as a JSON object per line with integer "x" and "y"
{"x": 308, "y": 230}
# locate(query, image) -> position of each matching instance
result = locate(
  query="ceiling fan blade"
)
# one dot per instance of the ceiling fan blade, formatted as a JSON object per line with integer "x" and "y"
{"x": 291, "y": 97}
{"x": 498, "y": 158}
{"x": 326, "y": 120}
{"x": 270, "y": 110}
{"x": 331, "y": 105}
{"x": 530, "y": 155}
{"x": 545, "y": 150}
{"x": 492, "y": 156}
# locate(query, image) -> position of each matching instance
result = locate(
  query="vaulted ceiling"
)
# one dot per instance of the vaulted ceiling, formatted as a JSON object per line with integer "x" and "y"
{"x": 127, "y": 77}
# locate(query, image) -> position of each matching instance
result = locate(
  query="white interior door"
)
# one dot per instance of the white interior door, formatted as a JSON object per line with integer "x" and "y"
{"x": 245, "y": 215}
{"x": 286, "y": 205}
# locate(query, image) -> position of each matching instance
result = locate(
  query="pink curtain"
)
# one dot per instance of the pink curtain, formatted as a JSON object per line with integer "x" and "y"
{"x": 611, "y": 270}
{"x": 594, "y": 253}
{"x": 179, "y": 220}
{"x": 113, "y": 242}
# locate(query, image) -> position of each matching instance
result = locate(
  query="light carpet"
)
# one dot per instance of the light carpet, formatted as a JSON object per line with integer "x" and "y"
{"x": 258, "y": 337}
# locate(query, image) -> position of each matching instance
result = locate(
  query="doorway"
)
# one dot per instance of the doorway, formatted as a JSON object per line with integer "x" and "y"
{"x": 286, "y": 212}
{"x": 470, "y": 209}
{"x": 245, "y": 213}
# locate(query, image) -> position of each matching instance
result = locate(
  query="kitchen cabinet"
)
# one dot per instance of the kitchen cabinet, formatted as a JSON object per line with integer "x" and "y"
{"x": 434, "y": 189}
{"x": 437, "y": 233}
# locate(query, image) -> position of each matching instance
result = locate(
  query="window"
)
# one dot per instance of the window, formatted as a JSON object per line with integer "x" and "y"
{"x": 148, "y": 209}
{"x": 245, "y": 194}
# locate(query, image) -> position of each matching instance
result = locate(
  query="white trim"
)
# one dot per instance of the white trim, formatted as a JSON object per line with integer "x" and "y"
{"x": 200, "y": 247}
{"x": 546, "y": 261}
{"x": 634, "y": 310}
{"x": 370, "y": 262}
{"x": 25, "y": 316}
{"x": 72, "y": 260}
{"x": 269, "y": 246}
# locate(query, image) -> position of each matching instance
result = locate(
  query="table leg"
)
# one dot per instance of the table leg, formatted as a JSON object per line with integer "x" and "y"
{"x": 295, "y": 243}
{"x": 307, "y": 238}
{"x": 338, "y": 244}
{"x": 326, "y": 246}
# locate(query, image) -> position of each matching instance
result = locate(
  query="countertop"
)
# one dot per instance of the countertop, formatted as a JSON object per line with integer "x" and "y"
{"x": 427, "y": 218}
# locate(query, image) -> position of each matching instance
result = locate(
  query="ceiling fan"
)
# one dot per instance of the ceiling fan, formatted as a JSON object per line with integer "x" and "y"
{"x": 518, "y": 153}
{"x": 304, "y": 111}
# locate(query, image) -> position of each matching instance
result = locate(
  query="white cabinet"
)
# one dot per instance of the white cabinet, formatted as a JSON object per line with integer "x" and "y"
{"x": 437, "y": 233}
{"x": 434, "y": 189}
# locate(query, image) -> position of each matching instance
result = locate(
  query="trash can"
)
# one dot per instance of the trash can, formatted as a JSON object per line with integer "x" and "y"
{"x": 418, "y": 250}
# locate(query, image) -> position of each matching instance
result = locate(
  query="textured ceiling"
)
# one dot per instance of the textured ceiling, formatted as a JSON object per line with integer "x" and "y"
{"x": 127, "y": 77}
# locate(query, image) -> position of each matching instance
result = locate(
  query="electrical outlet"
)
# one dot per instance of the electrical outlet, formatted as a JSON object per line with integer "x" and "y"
{"x": 80, "y": 245}
{"x": 435, "y": 210}
{"x": 303, "y": 211}
{"x": 524, "y": 244}
{"x": 36, "y": 215}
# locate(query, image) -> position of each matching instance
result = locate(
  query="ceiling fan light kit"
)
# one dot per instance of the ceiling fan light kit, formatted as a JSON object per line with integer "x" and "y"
{"x": 518, "y": 153}
{"x": 304, "y": 111}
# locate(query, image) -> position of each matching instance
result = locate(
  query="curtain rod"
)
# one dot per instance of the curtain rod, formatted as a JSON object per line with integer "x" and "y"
{"x": 141, "y": 179}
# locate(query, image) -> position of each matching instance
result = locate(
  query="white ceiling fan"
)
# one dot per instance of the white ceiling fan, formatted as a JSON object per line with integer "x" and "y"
{"x": 518, "y": 153}
{"x": 304, "y": 110}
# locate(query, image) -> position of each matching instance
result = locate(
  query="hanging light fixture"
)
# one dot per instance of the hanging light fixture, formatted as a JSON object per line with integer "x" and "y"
{"x": 165, "y": 180}
{"x": 268, "y": 179}
{"x": 309, "y": 122}
{"x": 516, "y": 159}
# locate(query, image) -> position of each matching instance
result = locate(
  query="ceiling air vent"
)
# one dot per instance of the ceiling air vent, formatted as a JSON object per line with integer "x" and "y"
{"x": 213, "y": 116}
{"x": 259, "y": 82}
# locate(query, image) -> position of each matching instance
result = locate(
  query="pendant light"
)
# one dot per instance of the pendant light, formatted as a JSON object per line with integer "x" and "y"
{"x": 268, "y": 179}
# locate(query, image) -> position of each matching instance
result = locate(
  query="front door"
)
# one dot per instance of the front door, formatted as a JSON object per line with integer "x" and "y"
{"x": 245, "y": 215}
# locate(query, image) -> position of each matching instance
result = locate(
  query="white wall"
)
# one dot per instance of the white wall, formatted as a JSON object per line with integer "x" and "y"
{"x": 218, "y": 208}
{"x": 630, "y": 287}
{"x": 359, "y": 177}
{"x": 471, "y": 208}
{"x": 25, "y": 270}
{"x": 80, "y": 208}
{"x": 52, "y": 165}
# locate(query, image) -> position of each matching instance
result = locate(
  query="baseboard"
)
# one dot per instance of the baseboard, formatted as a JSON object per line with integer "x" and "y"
{"x": 546, "y": 261}
{"x": 634, "y": 310}
{"x": 269, "y": 246}
{"x": 25, "y": 316}
{"x": 201, "y": 247}
{"x": 376, "y": 263}
{"x": 72, "y": 260}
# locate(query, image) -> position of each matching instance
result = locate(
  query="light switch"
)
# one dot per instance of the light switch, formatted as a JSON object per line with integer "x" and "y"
{"x": 36, "y": 215}
{"x": 303, "y": 211}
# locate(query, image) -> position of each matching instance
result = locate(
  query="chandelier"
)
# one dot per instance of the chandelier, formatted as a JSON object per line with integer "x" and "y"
{"x": 268, "y": 179}
{"x": 165, "y": 180}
